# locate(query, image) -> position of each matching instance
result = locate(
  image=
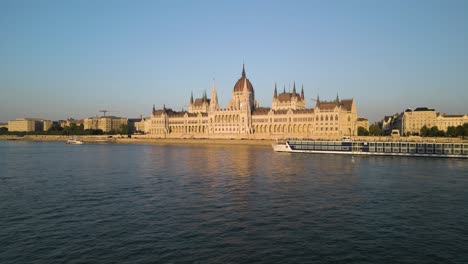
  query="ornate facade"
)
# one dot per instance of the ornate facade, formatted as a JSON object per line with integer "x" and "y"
{"x": 243, "y": 118}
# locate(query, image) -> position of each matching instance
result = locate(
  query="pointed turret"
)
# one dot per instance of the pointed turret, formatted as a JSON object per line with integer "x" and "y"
{"x": 154, "y": 110}
{"x": 337, "y": 98}
{"x": 191, "y": 97}
{"x": 302, "y": 92}
{"x": 243, "y": 70}
{"x": 275, "y": 95}
{"x": 214, "y": 97}
{"x": 284, "y": 88}
{"x": 294, "y": 90}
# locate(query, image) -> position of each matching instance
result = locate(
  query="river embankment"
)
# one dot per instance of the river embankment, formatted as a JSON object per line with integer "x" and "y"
{"x": 140, "y": 140}
{"x": 119, "y": 139}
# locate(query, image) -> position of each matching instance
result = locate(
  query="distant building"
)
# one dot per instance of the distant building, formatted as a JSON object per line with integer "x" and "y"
{"x": 410, "y": 122}
{"x": 4, "y": 125}
{"x": 243, "y": 118}
{"x": 105, "y": 123}
{"x": 46, "y": 124}
{"x": 69, "y": 121}
{"x": 362, "y": 122}
{"x": 143, "y": 126}
{"x": 414, "y": 120}
{"x": 133, "y": 124}
{"x": 25, "y": 125}
{"x": 444, "y": 121}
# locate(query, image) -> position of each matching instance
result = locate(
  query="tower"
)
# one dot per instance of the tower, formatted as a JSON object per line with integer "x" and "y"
{"x": 214, "y": 98}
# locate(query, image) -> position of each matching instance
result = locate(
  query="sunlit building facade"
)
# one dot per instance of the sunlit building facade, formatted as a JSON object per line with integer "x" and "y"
{"x": 105, "y": 123}
{"x": 25, "y": 125}
{"x": 243, "y": 118}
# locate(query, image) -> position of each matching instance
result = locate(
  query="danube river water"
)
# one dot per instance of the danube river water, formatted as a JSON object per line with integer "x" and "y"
{"x": 226, "y": 204}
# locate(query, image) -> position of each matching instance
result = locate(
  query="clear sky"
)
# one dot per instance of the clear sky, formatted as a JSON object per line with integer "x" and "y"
{"x": 62, "y": 59}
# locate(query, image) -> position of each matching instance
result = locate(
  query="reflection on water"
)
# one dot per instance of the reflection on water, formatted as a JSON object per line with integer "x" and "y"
{"x": 227, "y": 204}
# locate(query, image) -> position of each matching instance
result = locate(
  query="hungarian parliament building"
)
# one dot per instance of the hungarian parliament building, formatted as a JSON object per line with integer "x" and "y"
{"x": 243, "y": 118}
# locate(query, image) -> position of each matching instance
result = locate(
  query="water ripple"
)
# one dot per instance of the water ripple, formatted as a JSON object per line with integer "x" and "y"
{"x": 226, "y": 204}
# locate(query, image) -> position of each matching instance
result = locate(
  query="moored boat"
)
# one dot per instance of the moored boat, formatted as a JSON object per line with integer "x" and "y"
{"x": 378, "y": 148}
{"x": 74, "y": 141}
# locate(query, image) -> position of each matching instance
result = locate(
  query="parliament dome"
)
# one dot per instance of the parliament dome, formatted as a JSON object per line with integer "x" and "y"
{"x": 239, "y": 86}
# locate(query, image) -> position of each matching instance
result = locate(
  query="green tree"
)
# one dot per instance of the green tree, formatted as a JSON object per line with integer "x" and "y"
{"x": 375, "y": 130}
{"x": 452, "y": 131}
{"x": 55, "y": 127}
{"x": 435, "y": 132}
{"x": 123, "y": 129}
{"x": 462, "y": 131}
{"x": 362, "y": 131}
{"x": 424, "y": 132}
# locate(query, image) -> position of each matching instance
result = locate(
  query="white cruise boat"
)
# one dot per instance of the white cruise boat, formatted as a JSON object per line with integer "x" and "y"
{"x": 378, "y": 148}
{"x": 74, "y": 141}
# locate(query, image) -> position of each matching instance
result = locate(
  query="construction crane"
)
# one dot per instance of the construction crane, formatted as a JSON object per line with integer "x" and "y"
{"x": 104, "y": 112}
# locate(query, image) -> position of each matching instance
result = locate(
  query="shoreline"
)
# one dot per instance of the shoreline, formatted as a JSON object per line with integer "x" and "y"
{"x": 153, "y": 141}
{"x": 202, "y": 141}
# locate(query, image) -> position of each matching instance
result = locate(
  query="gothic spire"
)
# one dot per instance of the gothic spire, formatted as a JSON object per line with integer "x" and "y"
{"x": 284, "y": 88}
{"x": 302, "y": 92}
{"x": 294, "y": 89}
{"x": 214, "y": 96}
{"x": 243, "y": 70}
{"x": 191, "y": 97}
{"x": 275, "y": 95}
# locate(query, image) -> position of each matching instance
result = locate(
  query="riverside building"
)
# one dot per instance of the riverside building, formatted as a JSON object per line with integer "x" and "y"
{"x": 105, "y": 123}
{"x": 410, "y": 122}
{"x": 245, "y": 119}
{"x": 28, "y": 125}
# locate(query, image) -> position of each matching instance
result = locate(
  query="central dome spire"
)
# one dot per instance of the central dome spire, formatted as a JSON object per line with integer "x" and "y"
{"x": 243, "y": 81}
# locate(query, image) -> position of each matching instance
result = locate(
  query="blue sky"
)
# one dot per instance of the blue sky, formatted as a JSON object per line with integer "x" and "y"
{"x": 64, "y": 59}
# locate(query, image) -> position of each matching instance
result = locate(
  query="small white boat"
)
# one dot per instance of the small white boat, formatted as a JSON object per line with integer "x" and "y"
{"x": 74, "y": 141}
